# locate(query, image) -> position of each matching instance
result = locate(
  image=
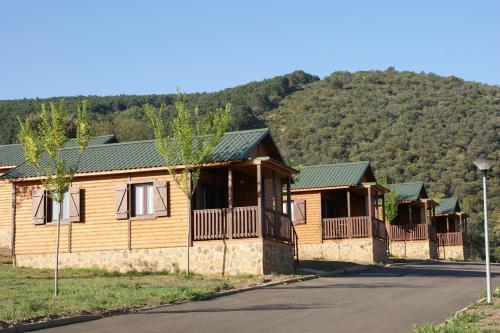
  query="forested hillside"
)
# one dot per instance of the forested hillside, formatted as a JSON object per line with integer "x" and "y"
{"x": 411, "y": 126}
{"x": 124, "y": 115}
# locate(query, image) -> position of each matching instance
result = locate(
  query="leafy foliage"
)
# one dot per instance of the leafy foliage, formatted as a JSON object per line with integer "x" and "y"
{"x": 391, "y": 204}
{"x": 411, "y": 126}
{"x": 47, "y": 139}
{"x": 190, "y": 142}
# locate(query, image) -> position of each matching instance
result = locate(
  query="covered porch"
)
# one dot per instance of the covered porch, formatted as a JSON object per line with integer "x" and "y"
{"x": 451, "y": 229}
{"x": 414, "y": 221}
{"x": 243, "y": 200}
{"x": 353, "y": 212}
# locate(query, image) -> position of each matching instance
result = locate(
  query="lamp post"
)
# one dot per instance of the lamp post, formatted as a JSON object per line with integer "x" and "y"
{"x": 484, "y": 164}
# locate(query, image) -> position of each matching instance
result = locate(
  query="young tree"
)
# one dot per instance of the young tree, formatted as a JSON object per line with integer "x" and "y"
{"x": 189, "y": 141}
{"x": 391, "y": 204}
{"x": 43, "y": 145}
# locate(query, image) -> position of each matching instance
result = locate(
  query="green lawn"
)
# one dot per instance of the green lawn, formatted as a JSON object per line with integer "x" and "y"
{"x": 28, "y": 293}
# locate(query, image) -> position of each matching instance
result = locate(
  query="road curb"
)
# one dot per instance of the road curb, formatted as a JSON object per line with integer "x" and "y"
{"x": 28, "y": 327}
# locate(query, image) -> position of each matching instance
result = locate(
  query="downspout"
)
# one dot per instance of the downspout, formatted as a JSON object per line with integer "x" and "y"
{"x": 13, "y": 229}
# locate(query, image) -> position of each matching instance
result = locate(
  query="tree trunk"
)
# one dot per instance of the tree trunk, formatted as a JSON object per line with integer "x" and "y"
{"x": 56, "y": 269}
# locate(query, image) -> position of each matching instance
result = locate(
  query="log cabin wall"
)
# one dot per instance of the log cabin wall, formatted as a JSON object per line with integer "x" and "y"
{"x": 5, "y": 215}
{"x": 99, "y": 229}
{"x": 310, "y": 232}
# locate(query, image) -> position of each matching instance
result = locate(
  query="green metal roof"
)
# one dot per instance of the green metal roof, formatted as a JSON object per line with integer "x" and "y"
{"x": 331, "y": 175}
{"x": 234, "y": 146}
{"x": 12, "y": 155}
{"x": 447, "y": 206}
{"x": 409, "y": 191}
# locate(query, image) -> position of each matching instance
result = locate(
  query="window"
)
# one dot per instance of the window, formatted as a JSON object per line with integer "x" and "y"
{"x": 142, "y": 199}
{"x": 54, "y": 209}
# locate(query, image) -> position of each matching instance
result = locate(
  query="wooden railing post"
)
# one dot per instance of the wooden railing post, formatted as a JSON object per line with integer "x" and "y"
{"x": 349, "y": 220}
{"x": 370, "y": 212}
{"x": 229, "y": 213}
{"x": 276, "y": 217}
{"x": 260, "y": 208}
{"x": 289, "y": 204}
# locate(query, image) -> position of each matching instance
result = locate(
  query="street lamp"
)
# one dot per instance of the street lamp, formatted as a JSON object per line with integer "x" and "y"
{"x": 484, "y": 164}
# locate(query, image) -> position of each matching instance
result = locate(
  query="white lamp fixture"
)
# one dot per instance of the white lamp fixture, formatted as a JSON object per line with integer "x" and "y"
{"x": 483, "y": 163}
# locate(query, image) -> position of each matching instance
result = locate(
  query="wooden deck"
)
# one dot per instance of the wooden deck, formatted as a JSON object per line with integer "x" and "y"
{"x": 353, "y": 227}
{"x": 414, "y": 232}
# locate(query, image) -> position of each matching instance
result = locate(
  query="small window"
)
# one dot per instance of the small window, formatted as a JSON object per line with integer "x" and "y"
{"x": 142, "y": 199}
{"x": 54, "y": 209}
{"x": 285, "y": 210}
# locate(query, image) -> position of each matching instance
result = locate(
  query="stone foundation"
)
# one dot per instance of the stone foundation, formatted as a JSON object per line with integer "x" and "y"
{"x": 419, "y": 249}
{"x": 456, "y": 252}
{"x": 358, "y": 250}
{"x": 254, "y": 256}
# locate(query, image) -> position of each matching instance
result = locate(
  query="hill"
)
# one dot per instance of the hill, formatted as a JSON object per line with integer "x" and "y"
{"x": 412, "y": 126}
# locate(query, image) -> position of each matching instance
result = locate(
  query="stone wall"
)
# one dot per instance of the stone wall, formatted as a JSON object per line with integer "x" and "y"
{"x": 419, "y": 249}
{"x": 359, "y": 250}
{"x": 212, "y": 257}
{"x": 457, "y": 252}
{"x": 380, "y": 251}
{"x": 278, "y": 258}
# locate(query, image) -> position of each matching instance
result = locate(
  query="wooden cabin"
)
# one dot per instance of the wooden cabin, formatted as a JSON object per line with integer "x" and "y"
{"x": 11, "y": 156}
{"x": 125, "y": 212}
{"x": 336, "y": 213}
{"x": 451, "y": 228}
{"x": 412, "y": 234}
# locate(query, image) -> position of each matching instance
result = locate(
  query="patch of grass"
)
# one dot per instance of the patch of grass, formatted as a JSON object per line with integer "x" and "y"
{"x": 26, "y": 293}
{"x": 479, "y": 317}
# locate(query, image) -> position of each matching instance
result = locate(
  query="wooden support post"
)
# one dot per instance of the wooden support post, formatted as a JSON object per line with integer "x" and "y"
{"x": 13, "y": 225}
{"x": 260, "y": 204}
{"x": 288, "y": 198}
{"x": 460, "y": 222}
{"x": 370, "y": 212}
{"x": 229, "y": 216}
{"x": 447, "y": 223}
{"x": 383, "y": 207}
{"x": 190, "y": 213}
{"x": 426, "y": 207}
{"x": 275, "y": 206}
{"x": 410, "y": 221}
{"x": 349, "y": 220}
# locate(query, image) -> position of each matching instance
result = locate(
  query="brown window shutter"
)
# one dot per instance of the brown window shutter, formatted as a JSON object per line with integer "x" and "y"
{"x": 299, "y": 211}
{"x": 122, "y": 202}
{"x": 160, "y": 200}
{"x": 74, "y": 204}
{"x": 39, "y": 207}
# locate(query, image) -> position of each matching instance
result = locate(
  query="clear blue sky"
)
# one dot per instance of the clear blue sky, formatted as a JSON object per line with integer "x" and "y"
{"x": 61, "y": 48}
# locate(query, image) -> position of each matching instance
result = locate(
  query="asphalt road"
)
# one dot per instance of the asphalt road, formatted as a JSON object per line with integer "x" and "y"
{"x": 388, "y": 299}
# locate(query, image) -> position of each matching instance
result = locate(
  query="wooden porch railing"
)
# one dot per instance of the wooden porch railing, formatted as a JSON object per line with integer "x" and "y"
{"x": 353, "y": 227}
{"x": 415, "y": 232}
{"x": 211, "y": 224}
{"x": 450, "y": 238}
{"x": 277, "y": 226}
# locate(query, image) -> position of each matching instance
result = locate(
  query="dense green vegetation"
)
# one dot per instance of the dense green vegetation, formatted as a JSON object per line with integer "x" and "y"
{"x": 411, "y": 126}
